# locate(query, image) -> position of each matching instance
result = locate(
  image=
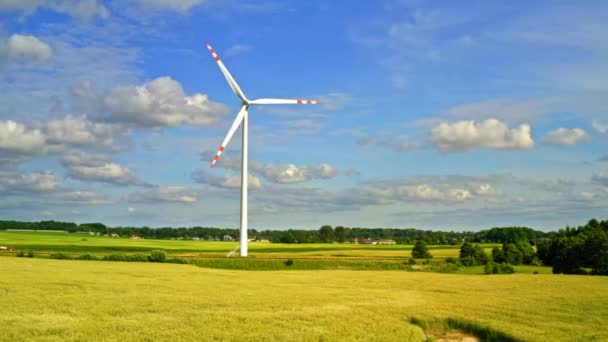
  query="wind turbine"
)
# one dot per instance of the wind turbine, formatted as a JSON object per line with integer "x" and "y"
{"x": 242, "y": 117}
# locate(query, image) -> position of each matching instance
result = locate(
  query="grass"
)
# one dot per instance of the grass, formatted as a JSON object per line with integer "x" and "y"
{"x": 41, "y": 242}
{"x": 58, "y": 300}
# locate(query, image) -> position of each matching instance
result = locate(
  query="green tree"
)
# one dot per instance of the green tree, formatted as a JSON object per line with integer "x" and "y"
{"x": 512, "y": 254}
{"x": 420, "y": 251}
{"x": 326, "y": 233}
{"x": 340, "y": 234}
{"x": 472, "y": 254}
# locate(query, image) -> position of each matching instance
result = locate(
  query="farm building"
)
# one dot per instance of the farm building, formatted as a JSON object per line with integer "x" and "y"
{"x": 228, "y": 238}
{"x": 386, "y": 242}
{"x": 366, "y": 241}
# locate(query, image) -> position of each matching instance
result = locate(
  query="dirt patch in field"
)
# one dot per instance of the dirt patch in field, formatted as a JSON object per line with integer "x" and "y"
{"x": 450, "y": 336}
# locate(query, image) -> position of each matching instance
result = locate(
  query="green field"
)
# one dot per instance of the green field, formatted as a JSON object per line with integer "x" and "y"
{"x": 78, "y": 243}
{"x": 57, "y": 300}
{"x": 330, "y": 292}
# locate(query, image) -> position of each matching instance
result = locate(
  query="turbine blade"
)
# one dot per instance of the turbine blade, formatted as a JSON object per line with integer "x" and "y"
{"x": 283, "y": 101}
{"x": 235, "y": 124}
{"x": 231, "y": 82}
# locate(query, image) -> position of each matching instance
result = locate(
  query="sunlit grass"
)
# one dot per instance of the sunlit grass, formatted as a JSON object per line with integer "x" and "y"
{"x": 80, "y": 243}
{"x": 58, "y": 300}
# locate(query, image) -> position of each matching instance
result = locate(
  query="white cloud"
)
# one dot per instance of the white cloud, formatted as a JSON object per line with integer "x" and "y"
{"x": 463, "y": 136}
{"x": 24, "y": 49}
{"x": 486, "y": 190}
{"x": 226, "y": 181}
{"x": 80, "y": 131}
{"x": 182, "y": 6}
{"x": 174, "y": 194}
{"x": 16, "y": 139}
{"x": 160, "y": 102}
{"x": 290, "y": 173}
{"x": 601, "y": 178}
{"x": 281, "y": 174}
{"x": 84, "y": 10}
{"x": 83, "y": 197}
{"x": 565, "y": 136}
{"x": 237, "y": 49}
{"x": 98, "y": 169}
{"x": 601, "y": 127}
{"x": 37, "y": 182}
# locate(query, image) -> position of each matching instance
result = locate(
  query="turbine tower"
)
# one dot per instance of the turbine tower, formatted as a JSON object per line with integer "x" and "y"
{"x": 242, "y": 117}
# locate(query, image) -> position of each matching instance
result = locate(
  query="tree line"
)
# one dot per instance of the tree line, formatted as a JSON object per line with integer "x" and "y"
{"x": 325, "y": 234}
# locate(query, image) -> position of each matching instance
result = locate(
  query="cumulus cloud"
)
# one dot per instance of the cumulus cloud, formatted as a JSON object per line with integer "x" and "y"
{"x": 16, "y": 140}
{"x": 226, "y": 181}
{"x": 566, "y": 137}
{"x": 280, "y": 174}
{"x": 37, "y": 182}
{"x": 600, "y": 178}
{"x": 486, "y": 190}
{"x": 80, "y": 131}
{"x": 84, "y": 10}
{"x": 601, "y": 127}
{"x": 25, "y": 49}
{"x": 83, "y": 197}
{"x": 182, "y": 6}
{"x": 160, "y": 102}
{"x": 173, "y": 194}
{"x": 98, "y": 169}
{"x": 462, "y": 136}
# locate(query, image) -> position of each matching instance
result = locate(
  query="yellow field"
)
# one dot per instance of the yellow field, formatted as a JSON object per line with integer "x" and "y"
{"x": 57, "y": 300}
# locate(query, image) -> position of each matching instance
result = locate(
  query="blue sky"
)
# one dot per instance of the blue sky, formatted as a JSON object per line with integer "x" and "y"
{"x": 438, "y": 115}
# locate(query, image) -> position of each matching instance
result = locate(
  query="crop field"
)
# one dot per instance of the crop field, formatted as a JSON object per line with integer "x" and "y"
{"x": 42, "y": 242}
{"x": 58, "y": 300}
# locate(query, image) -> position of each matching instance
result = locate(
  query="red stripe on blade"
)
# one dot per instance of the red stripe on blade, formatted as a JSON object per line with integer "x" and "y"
{"x": 221, "y": 148}
{"x": 216, "y": 157}
{"x": 217, "y": 58}
{"x": 299, "y": 101}
{"x": 308, "y": 102}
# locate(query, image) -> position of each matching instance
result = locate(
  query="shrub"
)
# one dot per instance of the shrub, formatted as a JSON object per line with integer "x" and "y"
{"x": 451, "y": 260}
{"x": 115, "y": 257}
{"x": 21, "y": 254}
{"x": 412, "y": 261}
{"x": 420, "y": 250}
{"x": 498, "y": 268}
{"x": 157, "y": 255}
{"x": 137, "y": 257}
{"x": 177, "y": 261}
{"x": 86, "y": 256}
{"x": 60, "y": 255}
{"x": 471, "y": 255}
{"x": 288, "y": 262}
{"x": 30, "y": 254}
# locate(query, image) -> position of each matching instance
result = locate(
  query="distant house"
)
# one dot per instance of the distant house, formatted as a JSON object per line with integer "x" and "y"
{"x": 6, "y": 248}
{"x": 114, "y": 235}
{"x": 136, "y": 237}
{"x": 386, "y": 242}
{"x": 228, "y": 238}
{"x": 196, "y": 238}
{"x": 367, "y": 241}
{"x": 264, "y": 241}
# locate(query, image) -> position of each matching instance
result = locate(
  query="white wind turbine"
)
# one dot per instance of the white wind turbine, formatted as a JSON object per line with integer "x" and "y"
{"x": 242, "y": 118}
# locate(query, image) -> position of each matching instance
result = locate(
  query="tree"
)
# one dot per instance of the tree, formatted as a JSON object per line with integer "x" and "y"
{"x": 340, "y": 233}
{"x": 326, "y": 233}
{"x": 472, "y": 254}
{"x": 420, "y": 251}
{"x": 497, "y": 255}
{"x": 512, "y": 254}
